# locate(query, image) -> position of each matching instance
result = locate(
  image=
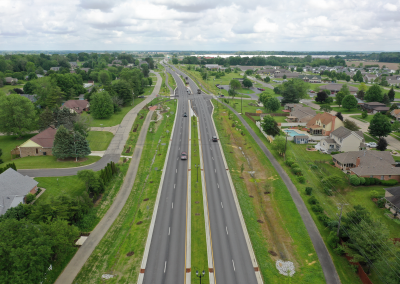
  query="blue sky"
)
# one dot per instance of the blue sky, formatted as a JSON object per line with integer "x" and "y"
{"x": 362, "y": 25}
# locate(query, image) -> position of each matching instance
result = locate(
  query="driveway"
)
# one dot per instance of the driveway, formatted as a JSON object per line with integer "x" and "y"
{"x": 114, "y": 150}
{"x": 253, "y": 96}
{"x": 261, "y": 82}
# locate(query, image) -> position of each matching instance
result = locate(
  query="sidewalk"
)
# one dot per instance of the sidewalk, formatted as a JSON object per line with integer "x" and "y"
{"x": 112, "y": 129}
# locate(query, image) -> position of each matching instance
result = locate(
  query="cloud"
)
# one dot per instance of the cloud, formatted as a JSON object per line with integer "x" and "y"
{"x": 102, "y": 5}
{"x": 266, "y": 26}
{"x": 390, "y": 7}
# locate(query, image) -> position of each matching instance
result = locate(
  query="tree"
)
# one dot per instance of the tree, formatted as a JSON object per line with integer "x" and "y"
{"x": 63, "y": 144}
{"x": 91, "y": 180}
{"x": 101, "y": 105}
{"x": 17, "y": 115}
{"x": 391, "y": 94}
{"x": 345, "y": 90}
{"x": 379, "y": 126}
{"x": 382, "y": 144}
{"x": 175, "y": 61}
{"x": 396, "y": 126}
{"x": 360, "y": 95}
{"x": 279, "y": 145}
{"x": 351, "y": 125}
{"x": 249, "y": 72}
{"x": 386, "y": 99}
{"x": 325, "y": 108}
{"x": 46, "y": 119}
{"x": 80, "y": 145}
{"x": 339, "y": 115}
{"x": 321, "y": 97}
{"x": 374, "y": 94}
{"x": 294, "y": 90}
{"x": 284, "y": 77}
{"x": 389, "y": 267}
{"x": 362, "y": 87}
{"x": 349, "y": 102}
{"x": 123, "y": 91}
{"x": 104, "y": 77}
{"x": 235, "y": 84}
{"x": 232, "y": 93}
{"x": 267, "y": 79}
{"x": 270, "y": 126}
{"x": 273, "y": 104}
{"x": 339, "y": 98}
{"x": 364, "y": 114}
{"x": 247, "y": 83}
{"x": 32, "y": 76}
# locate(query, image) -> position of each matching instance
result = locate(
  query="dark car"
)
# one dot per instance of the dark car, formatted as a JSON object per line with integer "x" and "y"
{"x": 185, "y": 115}
{"x": 214, "y": 139}
{"x": 183, "y": 156}
{"x": 260, "y": 89}
{"x": 140, "y": 97}
{"x": 216, "y": 85}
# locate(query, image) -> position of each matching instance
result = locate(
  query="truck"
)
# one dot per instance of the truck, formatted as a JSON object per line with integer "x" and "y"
{"x": 186, "y": 80}
{"x": 198, "y": 91}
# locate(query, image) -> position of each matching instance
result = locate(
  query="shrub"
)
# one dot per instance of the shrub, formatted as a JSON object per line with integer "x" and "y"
{"x": 377, "y": 181}
{"x": 334, "y": 153}
{"x": 296, "y": 171}
{"x": 364, "y": 114}
{"x": 312, "y": 200}
{"x": 355, "y": 180}
{"x": 295, "y": 165}
{"x": 314, "y": 167}
{"x": 29, "y": 198}
{"x": 333, "y": 239}
{"x": 289, "y": 162}
{"x": 324, "y": 219}
{"x": 328, "y": 191}
{"x": 362, "y": 180}
{"x": 301, "y": 179}
{"x": 374, "y": 194}
{"x": 317, "y": 208}
{"x": 331, "y": 163}
{"x": 339, "y": 250}
{"x": 367, "y": 181}
{"x": 308, "y": 190}
{"x": 381, "y": 203}
{"x": 390, "y": 182}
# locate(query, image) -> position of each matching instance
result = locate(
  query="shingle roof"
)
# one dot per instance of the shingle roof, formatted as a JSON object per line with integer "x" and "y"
{"x": 325, "y": 118}
{"x": 393, "y": 190}
{"x": 395, "y": 200}
{"x": 302, "y": 112}
{"x": 45, "y": 138}
{"x": 341, "y": 132}
{"x": 336, "y": 87}
{"x": 76, "y": 105}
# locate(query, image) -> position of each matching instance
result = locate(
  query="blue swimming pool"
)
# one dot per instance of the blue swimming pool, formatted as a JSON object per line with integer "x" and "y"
{"x": 293, "y": 132}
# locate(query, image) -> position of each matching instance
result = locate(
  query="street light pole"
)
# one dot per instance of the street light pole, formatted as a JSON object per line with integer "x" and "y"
{"x": 201, "y": 275}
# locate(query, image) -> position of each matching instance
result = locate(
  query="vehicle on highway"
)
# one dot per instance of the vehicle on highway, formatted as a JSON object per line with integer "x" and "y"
{"x": 371, "y": 144}
{"x": 214, "y": 139}
{"x": 183, "y": 156}
{"x": 198, "y": 91}
{"x": 312, "y": 91}
{"x": 260, "y": 89}
{"x": 185, "y": 115}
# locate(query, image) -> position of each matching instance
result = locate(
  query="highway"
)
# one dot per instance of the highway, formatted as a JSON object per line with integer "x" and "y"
{"x": 166, "y": 258}
{"x": 232, "y": 263}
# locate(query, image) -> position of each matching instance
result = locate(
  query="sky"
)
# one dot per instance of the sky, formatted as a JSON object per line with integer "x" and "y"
{"x": 218, "y": 25}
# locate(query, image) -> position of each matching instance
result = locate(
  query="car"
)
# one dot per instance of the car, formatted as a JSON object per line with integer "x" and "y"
{"x": 185, "y": 115}
{"x": 312, "y": 91}
{"x": 184, "y": 156}
{"x": 221, "y": 96}
{"x": 214, "y": 139}
{"x": 260, "y": 89}
{"x": 216, "y": 85}
{"x": 141, "y": 97}
{"x": 372, "y": 145}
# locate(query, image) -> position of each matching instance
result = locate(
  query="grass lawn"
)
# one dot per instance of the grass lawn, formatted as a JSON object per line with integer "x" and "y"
{"x": 345, "y": 111}
{"x": 8, "y": 143}
{"x": 359, "y": 117}
{"x": 99, "y": 140}
{"x": 56, "y": 186}
{"x": 7, "y": 88}
{"x": 369, "y": 138}
{"x": 48, "y": 162}
{"x": 245, "y": 91}
{"x": 226, "y": 94}
{"x": 134, "y": 134}
{"x": 236, "y": 103}
{"x": 272, "y": 220}
{"x": 126, "y": 235}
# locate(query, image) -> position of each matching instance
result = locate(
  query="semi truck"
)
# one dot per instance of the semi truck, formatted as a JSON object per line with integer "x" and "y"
{"x": 198, "y": 91}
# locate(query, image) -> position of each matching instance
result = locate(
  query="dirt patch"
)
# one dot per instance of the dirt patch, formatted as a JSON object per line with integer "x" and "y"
{"x": 267, "y": 192}
{"x": 393, "y": 66}
{"x": 197, "y": 202}
{"x": 251, "y": 196}
{"x": 271, "y": 252}
{"x": 138, "y": 223}
{"x": 260, "y": 221}
{"x": 145, "y": 199}
{"x": 197, "y": 214}
{"x": 130, "y": 253}
{"x": 128, "y": 150}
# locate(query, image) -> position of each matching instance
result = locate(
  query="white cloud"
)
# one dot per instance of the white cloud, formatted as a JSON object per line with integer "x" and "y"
{"x": 390, "y": 7}
{"x": 265, "y": 26}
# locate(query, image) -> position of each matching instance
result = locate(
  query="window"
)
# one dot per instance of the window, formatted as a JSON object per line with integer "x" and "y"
{"x": 390, "y": 176}
{"x": 371, "y": 176}
{"x": 382, "y": 177}
{"x": 37, "y": 151}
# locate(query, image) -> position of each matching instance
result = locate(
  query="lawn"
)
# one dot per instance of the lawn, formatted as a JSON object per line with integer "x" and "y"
{"x": 8, "y": 143}
{"x": 56, "y": 186}
{"x": 359, "y": 117}
{"x": 126, "y": 234}
{"x": 236, "y": 103}
{"x": 226, "y": 94}
{"x": 245, "y": 91}
{"x": 48, "y": 162}
{"x": 7, "y": 88}
{"x": 99, "y": 140}
{"x": 272, "y": 220}
{"x": 346, "y": 111}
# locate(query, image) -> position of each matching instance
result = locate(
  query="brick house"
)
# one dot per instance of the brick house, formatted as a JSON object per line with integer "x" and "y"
{"x": 310, "y": 78}
{"x": 323, "y": 124}
{"x": 39, "y": 145}
{"x": 77, "y": 106}
{"x": 11, "y": 81}
{"x": 374, "y": 107}
{"x": 370, "y": 164}
{"x": 13, "y": 189}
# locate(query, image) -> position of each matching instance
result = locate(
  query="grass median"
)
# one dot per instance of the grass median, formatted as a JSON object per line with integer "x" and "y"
{"x": 135, "y": 132}
{"x": 120, "y": 252}
{"x": 199, "y": 245}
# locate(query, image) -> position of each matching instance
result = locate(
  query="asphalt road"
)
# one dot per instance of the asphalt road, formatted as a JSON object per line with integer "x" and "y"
{"x": 114, "y": 150}
{"x": 166, "y": 259}
{"x": 232, "y": 263}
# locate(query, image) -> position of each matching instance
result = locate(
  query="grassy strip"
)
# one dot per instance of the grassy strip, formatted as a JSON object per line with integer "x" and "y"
{"x": 199, "y": 245}
{"x": 343, "y": 268}
{"x": 48, "y": 162}
{"x": 365, "y": 120}
{"x": 281, "y": 229}
{"x": 99, "y": 140}
{"x": 129, "y": 232}
{"x": 10, "y": 142}
{"x": 134, "y": 135}
{"x": 171, "y": 82}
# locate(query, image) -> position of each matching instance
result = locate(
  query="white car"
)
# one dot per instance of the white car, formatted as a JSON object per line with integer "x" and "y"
{"x": 371, "y": 145}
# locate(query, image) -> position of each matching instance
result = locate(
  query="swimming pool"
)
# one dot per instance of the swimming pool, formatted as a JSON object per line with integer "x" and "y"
{"x": 293, "y": 132}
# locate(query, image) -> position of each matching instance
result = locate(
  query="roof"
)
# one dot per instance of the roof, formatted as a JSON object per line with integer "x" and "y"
{"x": 336, "y": 87}
{"x": 343, "y": 132}
{"x": 374, "y": 104}
{"x": 382, "y": 108}
{"x": 13, "y": 187}
{"x": 395, "y": 112}
{"x": 325, "y": 118}
{"x": 329, "y": 140}
{"x": 395, "y": 200}
{"x": 76, "y": 105}
{"x": 45, "y": 138}
{"x": 300, "y": 136}
{"x": 393, "y": 190}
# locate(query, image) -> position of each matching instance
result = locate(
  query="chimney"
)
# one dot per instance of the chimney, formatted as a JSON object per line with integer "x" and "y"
{"x": 358, "y": 161}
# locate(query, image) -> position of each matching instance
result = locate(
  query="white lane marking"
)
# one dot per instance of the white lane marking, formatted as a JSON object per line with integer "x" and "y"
{"x": 179, "y": 148}
{"x": 234, "y": 269}
{"x": 176, "y": 170}
{"x": 222, "y": 206}
{"x": 165, "y": 266}
{"x": 215, "y": 170}
{"x": 212, "y": 158}
{"x": 218, "y": 185}
{"x": 172, "y": 205}
{"x": 226, "y": 230}
{"x": 174, "y": 185}
{"x": 169, "y": 231}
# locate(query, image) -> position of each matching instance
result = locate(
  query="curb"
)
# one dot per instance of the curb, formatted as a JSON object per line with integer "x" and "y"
{"x": 239, "y": 210}
{"x": 188, "y": 259}
{"x": 153, "y": 218}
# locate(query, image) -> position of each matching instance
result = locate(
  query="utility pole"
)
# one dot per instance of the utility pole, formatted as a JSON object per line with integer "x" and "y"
{"x": 284, "y": 155}
{"x": 340, "y": 216}
{"x": 241, "y": 103}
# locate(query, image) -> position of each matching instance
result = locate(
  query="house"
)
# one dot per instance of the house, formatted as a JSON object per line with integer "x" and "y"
{"x": 335, "y": 88}
{"x": 288, "y": 75}
{"x": 396, "y": 114}
{"x": 85, "y": 69}
{"x": 13, "y": 189}
{"x": 323, "y": 124}
{"x": 212, "y": 66}
{"x": 370, "y": 164}
{"x": 301, "y": 114}
{"x": 73, "y": 64}
{"x": 310, "y": 78}
{"x": 77, "y": 106}
{"x": 370, "y": 78}
{"x": 55, "y": 68}
{"x": 116, "y": 62}
{"x": 38, "y": 145}
{"x": 11, "y": 81}
{"x": 374, "y": 107}
{"x": 300, "y": 139}
{"x": 32, "y": 98}
{"x": 343, "y": 140}
{"x": 392, "y": 196}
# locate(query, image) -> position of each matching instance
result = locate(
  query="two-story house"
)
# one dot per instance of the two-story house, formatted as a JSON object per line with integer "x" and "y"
{"x": 310, "y": 78}
{"x": 343, "y": 140}
{"x": 323, "y": 124}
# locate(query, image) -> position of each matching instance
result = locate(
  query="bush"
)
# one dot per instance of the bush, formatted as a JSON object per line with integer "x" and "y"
{"x": 328, "y": 191}
{"x": 362, "y": 180}
{"x": 390, "y": 182}
{"x": 364, "y": 114}
{"x": 377, "y": 181}
{"x": 312, "y": 200}
{"x": 381, "y": 203}
{"x": 296, "y": 171}
{"x": 331, "y": 163}
{"x": 334, "y": 153}
{"x": 367, "y": 181}
{"x": 289, "y": 162}
{"x": 339, "y": 250}
{"x": 29, "y": 198}
{"x": 333, "y": 239}
{"x": 374, "y": 194}
{"x": 317, "y": 208}
{"x": 308, "y": 190}
{"x": 324, "y": 219}
{"x": 301, "y": 179}
{"x": 355, "y": 180}
{"x": 295, "y": 165}
{"x": 314, "y": 167}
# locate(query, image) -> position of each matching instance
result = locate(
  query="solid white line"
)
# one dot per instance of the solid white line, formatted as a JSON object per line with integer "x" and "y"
{"x": 172, "y": 205}
{"x": 169, "y": 231}
{"x": 176, "y": 171}
{"x": 215, "y": 170}
{"x": 165, "y": 266}
{"x": 222, "y": 206}
{"x": 212, "y": 158}
{"x": 226, "y": 230}
{"x": 234, "y": 269}
{"x": 174, "y": 185}
{"x": 218, "y": 185}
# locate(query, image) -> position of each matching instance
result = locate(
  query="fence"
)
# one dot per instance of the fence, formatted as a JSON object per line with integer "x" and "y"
{"x": 289, "y": 124}
{"x": 360, "y": 271}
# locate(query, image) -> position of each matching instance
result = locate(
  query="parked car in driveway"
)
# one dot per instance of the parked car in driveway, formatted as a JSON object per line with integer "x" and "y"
{"x": 184, "y": 156}
{"x": 260, "y": 89}
{"x": 214, "y": 139}
{"x": 372, "y": 145}
{"x": 140, "y": 97}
